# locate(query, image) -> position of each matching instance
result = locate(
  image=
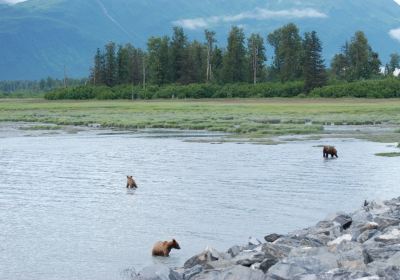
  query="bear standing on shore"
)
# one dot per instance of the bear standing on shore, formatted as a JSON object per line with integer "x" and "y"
{"x": 163, "y": 248}
{"x": 329, "y": 150}
{"x": 131, "y": 184}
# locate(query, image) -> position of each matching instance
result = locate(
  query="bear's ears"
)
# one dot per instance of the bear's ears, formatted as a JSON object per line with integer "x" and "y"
{"x": 128, "y": 176}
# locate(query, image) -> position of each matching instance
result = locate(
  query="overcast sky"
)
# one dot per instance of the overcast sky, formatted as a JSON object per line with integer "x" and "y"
{"x": 16, "y": 1}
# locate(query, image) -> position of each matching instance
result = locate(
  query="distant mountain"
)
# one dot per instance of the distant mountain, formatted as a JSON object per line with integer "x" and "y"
{"x": 39, "y": 37}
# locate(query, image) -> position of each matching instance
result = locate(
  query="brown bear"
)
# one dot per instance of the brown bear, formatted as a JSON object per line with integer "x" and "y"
{"x": 329, "y": 150}
{"x": 131, "y": 184}
{"x": 163, "y": 248}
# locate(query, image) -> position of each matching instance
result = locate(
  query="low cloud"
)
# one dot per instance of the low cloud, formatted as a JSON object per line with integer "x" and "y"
{"x": 395, "y": 34}
{"x": 257, "y": 14}
{"x": 11, "y": 1}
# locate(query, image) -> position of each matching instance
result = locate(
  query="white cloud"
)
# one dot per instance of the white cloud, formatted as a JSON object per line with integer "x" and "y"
{"x": 395, "y": 34}
{"x": 257, "y": 14}
{"x": 11, "y": 1}
{"x": 397, "y": 1}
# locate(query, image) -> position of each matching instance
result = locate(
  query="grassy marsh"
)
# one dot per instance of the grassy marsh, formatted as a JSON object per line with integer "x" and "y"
{"x": 251, "y": 118}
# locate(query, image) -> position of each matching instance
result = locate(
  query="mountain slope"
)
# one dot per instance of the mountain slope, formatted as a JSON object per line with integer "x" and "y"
{"x": 39, "y": 37}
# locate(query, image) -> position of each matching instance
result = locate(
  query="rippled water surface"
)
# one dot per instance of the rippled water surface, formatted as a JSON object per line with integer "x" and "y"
{"x": 65, "y": 212}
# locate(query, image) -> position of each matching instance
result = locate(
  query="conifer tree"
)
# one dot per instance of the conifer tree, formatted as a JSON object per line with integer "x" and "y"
{"x": 234, "y": 62}
{"x": 314, "y": 71}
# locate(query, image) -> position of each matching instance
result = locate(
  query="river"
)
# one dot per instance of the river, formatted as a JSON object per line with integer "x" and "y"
{"x": 65, "y": 212}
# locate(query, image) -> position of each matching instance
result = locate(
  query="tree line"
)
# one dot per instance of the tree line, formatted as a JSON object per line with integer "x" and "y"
{"x": 43, "y": 85}
{"x": 176, "y": 60}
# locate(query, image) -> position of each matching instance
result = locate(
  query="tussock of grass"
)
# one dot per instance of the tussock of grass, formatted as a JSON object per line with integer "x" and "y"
{"x": 42, "y": 127}
{"x": 393, "y": 154}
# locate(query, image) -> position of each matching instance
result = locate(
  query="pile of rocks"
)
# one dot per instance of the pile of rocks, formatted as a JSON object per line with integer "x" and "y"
{"x": 361, "y": 245}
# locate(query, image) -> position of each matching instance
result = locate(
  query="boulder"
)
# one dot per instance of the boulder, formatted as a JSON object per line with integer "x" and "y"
{"x": 189, "y": 273}
{"x": 208, "y": 255}
{"x": 267, "y": 263}
{"x": 343, "y": 220}
{"x": 366, "y": 235}
{"x": 272, "y": 237}
{"x": 303, "y": 261}
{"x": 235, "y": 250}
{"x": 157, "y": 272}
{"x": 232, "y": 273}
{"x": 277, "y": 251}
{"x": 249, "y": 258}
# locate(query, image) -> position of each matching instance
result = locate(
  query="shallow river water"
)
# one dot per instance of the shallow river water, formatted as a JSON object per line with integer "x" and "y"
{"x": 65, "y": 212}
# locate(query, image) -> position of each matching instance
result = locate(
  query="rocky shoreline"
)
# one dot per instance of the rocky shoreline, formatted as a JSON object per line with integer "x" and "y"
{"x": 362, "y": 245}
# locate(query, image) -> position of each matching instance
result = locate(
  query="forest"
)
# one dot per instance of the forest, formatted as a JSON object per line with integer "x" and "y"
{"x": 175, "y": 67}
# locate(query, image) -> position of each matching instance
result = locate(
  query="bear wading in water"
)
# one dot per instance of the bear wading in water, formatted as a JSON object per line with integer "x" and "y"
{"x": 163, "y": 248}
{"x": 131, "y": 184}
{"x": 329, "y": 150}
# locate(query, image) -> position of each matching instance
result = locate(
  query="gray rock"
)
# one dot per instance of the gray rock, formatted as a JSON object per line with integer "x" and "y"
{"x": 267, "y": 264}
{"x": 340, "y": 274}
{"x": 189, "y": 273}
{"x": 344, "y": 221}
{"x": 157, "y": 272}
{"x": 272, "y": 237}
{"x": 366, "y": 235}
{"x": 390, "y": 273}
{"x": 249, "y": 258}
{"x": 376, "y": 251}
{"x": 390, "y": 236}
{"x": 235, "y": 250}
{"x": 303, "y": 261}
{"x": 300, "y": 241}
{"x": 350, "y": 255}
{"x": 384, "y": 222}
{"x": 208, "y": 255}
{"x": 254, "y": 241}
{"x": 219, "y": 264}
{"x": 232, "y": 273}
{"x": 276, "y": 251}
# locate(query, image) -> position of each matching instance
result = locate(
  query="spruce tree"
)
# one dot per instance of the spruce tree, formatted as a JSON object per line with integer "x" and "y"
{"x": 314, "y": 71}
{"x": 234, "y": 63}
{"x": 178, "y": 55}
{"x": 110, "y": 65}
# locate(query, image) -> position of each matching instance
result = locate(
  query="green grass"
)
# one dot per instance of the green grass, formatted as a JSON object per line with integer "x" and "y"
{"x": 253, "y": 118}
{"x": 393, "y": 154}
{"x": 42, "y": 127}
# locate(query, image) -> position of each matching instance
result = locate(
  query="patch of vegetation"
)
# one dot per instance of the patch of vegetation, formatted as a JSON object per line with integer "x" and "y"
{"x": 393, "y": 154}
{"x": 42, "y": 127}
{"x": 251, "y": 118}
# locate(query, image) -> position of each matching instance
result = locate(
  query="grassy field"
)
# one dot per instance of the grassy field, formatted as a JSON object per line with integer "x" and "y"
{"x": 244, "y": 117}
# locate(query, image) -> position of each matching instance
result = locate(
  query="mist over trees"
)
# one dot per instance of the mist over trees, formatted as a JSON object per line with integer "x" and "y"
{"x": 295, "y": 57}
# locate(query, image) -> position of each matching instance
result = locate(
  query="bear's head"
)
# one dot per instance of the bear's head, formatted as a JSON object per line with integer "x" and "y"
{"x": 175, "y": 244}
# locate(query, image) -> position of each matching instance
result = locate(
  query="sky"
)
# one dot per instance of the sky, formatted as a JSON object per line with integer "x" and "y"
{"x": 17, "y": 1}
